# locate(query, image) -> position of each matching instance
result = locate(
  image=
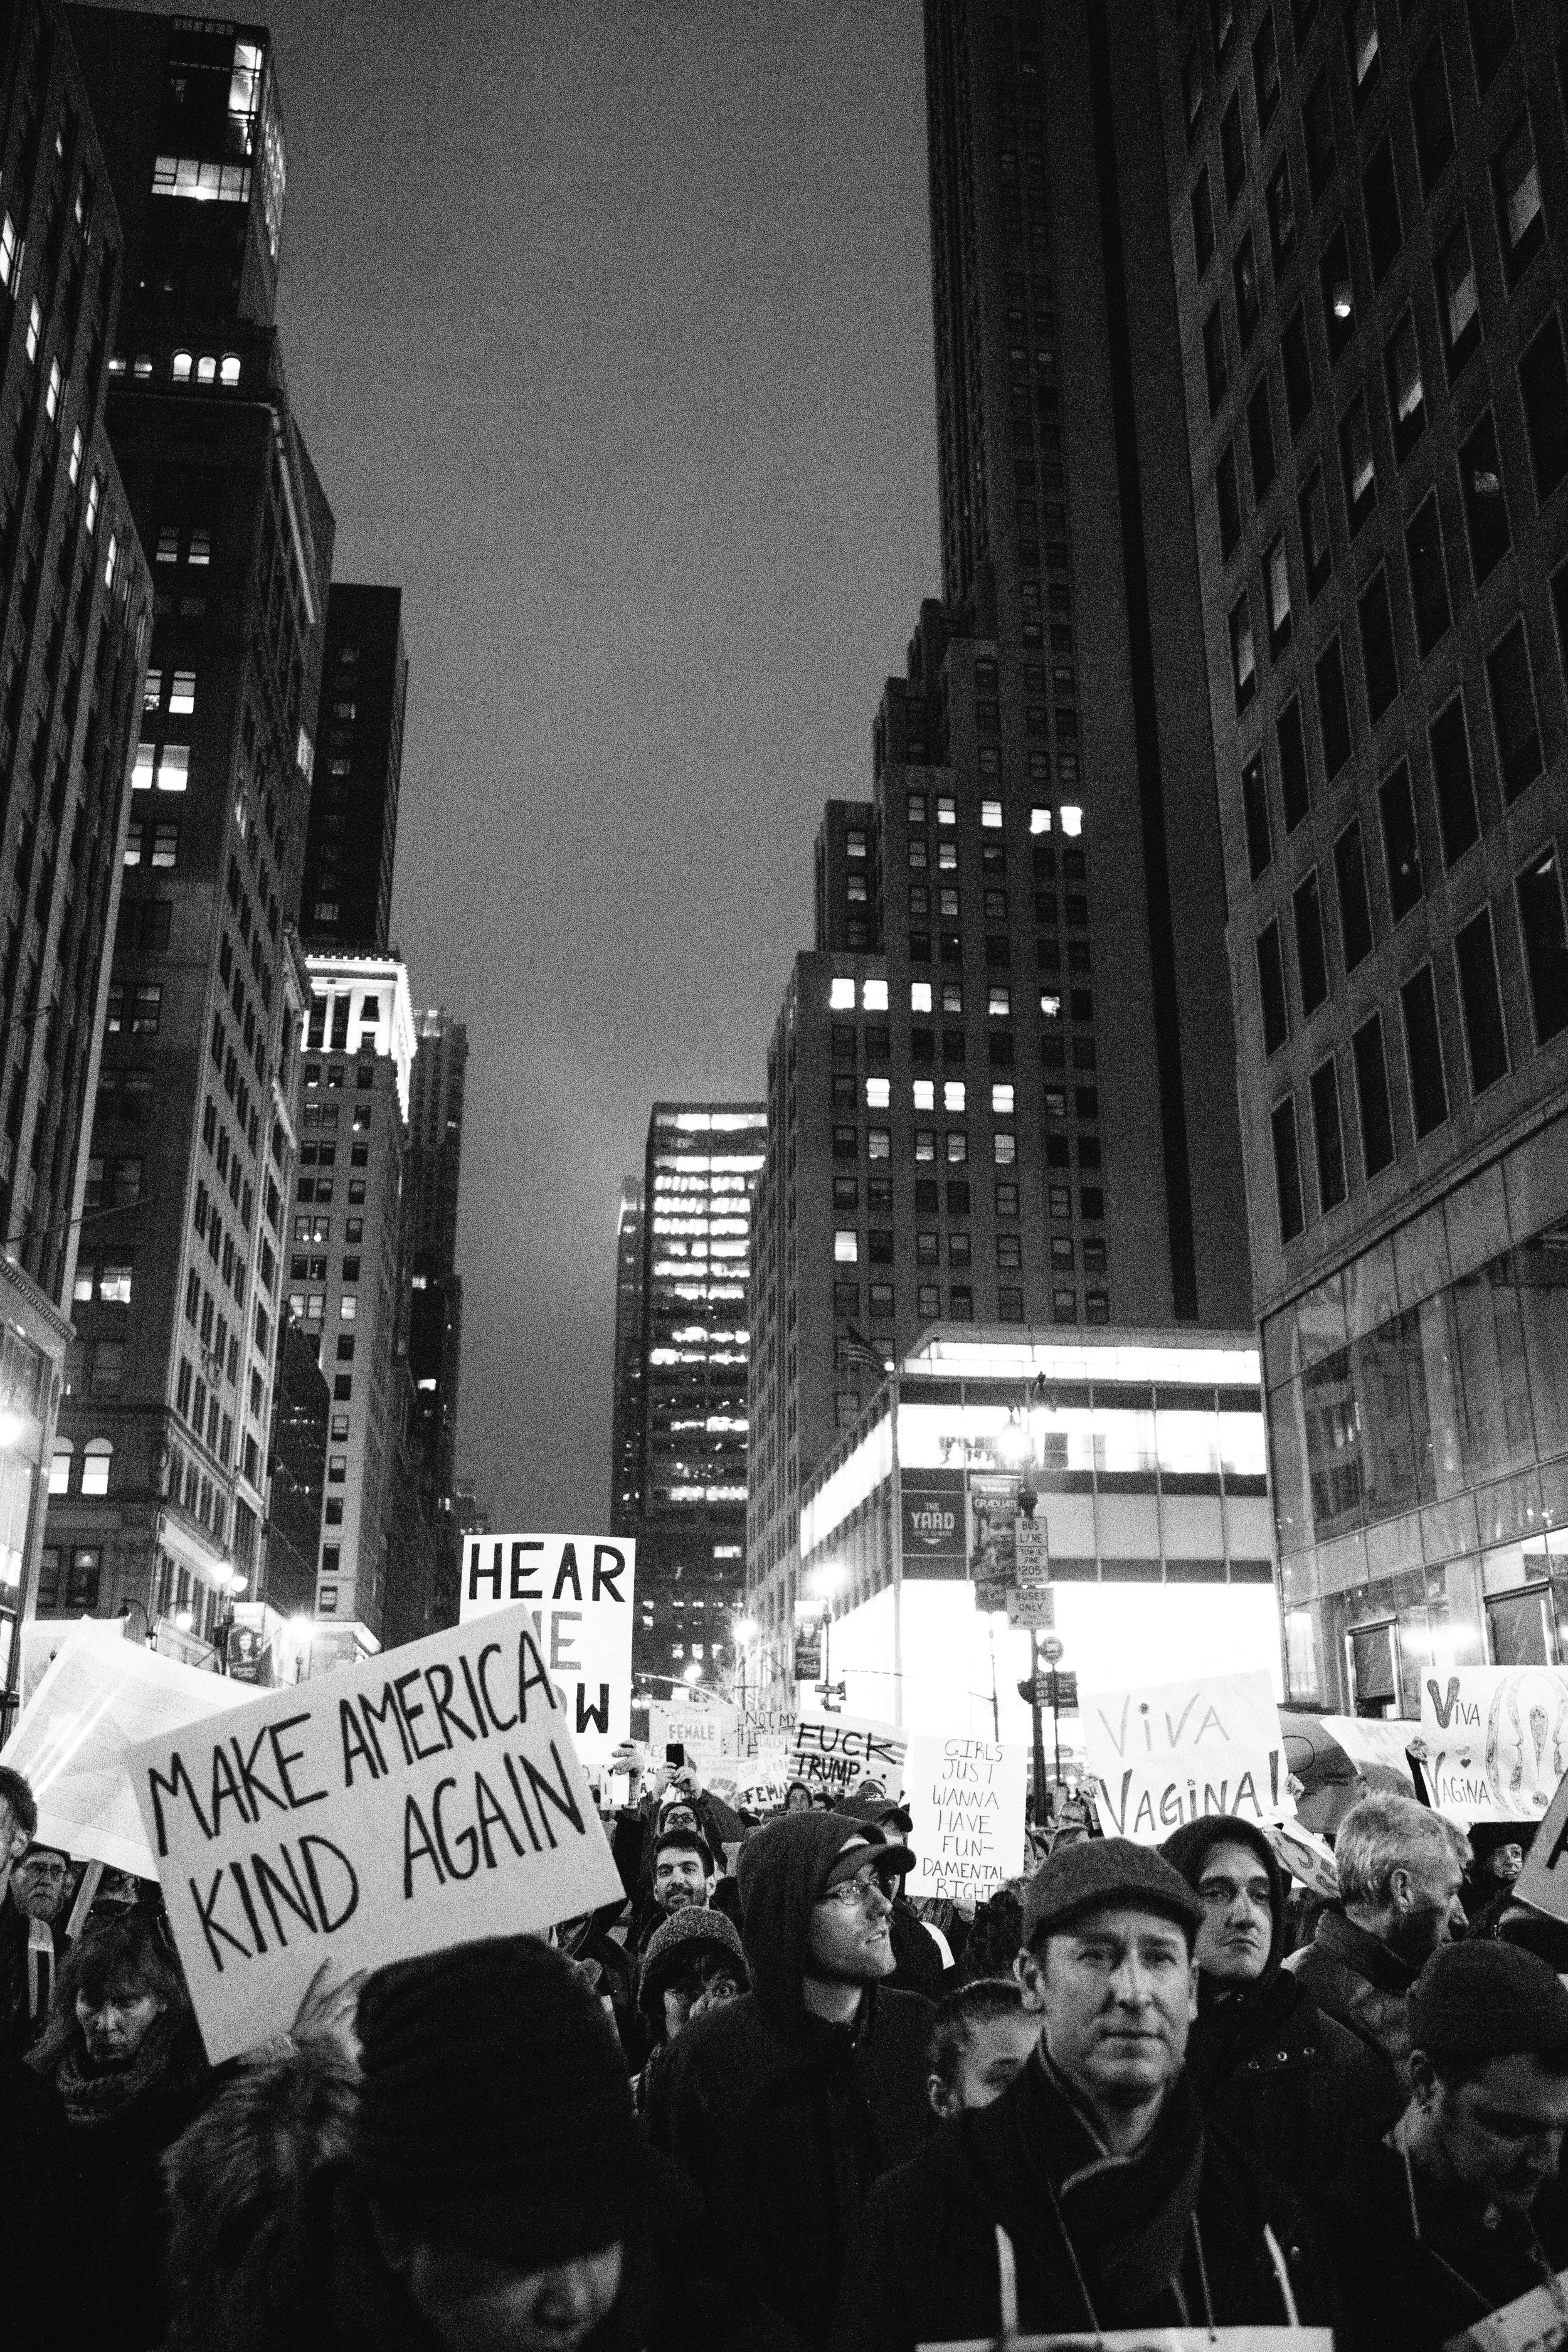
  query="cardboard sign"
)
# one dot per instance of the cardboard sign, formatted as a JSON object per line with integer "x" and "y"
{"x": 429, "y": 1797}
{"x": 1532, "y": 2323}
{"x": 580, "y": 1590}
{"x": 705, "y": 1732}
{"x": 1307, "y": 1856}
{"x": 1165, "y": 1753}
{"x": 1495, "y": 1740}
{"x": 97, "y": 1701}
{"x": 1543, "y": 1881}
{"x": 966, "y": 1800}
{"x": 836, "y": 1752}
{"x": 1365, "y": 1742}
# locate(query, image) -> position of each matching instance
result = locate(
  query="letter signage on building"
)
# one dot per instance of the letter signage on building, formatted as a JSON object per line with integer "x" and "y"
{"x": 580, "y": 1590}
{"x": 935, "y": 1536}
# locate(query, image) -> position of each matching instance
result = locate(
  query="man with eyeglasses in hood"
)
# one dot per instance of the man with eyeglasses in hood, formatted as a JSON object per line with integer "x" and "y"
{"x": 785, "y": 2106}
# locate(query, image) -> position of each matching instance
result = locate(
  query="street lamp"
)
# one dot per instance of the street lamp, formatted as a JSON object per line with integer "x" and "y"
{"x": 693, "y": 1673}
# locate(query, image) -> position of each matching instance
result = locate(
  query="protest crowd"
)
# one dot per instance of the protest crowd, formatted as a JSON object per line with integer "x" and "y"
{"x": 771, "y": 2098}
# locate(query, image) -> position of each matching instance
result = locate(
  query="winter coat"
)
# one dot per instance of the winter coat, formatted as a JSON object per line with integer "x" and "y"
{"x": 925, "y": 2264}
{"x": 783, "y": 2121}
{"x": 40, "y": 2215}
{"x": 19, "y": 2027}
{"x": 1404, "y": 2292}
{"x": 1279, "y": 2078}
{"x": 1356, "y": 1979}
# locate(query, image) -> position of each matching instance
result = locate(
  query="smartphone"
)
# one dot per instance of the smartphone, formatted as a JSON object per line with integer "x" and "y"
{"x": 675, "y": 1753}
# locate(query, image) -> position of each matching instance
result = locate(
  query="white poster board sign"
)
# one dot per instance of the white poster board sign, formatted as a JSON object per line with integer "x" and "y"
{"x": 1169, "y": 2339}
{"x": 1366, "y": 1740}
{"x": 1543, "y": 1881}
{"x": 43, "y": 1639}
{"x": 1165, "y": 1753}
{"x": 580, "y": 1590}
{"x": 1531, "y": 2323}
{"x": 99, "y": 1699}
{"x": 836, "y": 1752}
{"x": 965, "y": 1798}
{"x": 1495, "y": 1740}
{"x": 427, "y": 1797}
{"x": 705, "y": 1732}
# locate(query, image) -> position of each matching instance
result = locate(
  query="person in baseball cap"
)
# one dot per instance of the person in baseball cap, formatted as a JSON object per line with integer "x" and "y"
{"x": 1460, "y": 2209}
{"x": 1088, "y": 2196}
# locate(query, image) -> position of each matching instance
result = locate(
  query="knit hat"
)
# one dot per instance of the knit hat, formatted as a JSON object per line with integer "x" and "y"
{"x": 672, "y": 1948}
{"x": 494, "y": 2107}
{"x": 1084, "y": 1877}
{"x": 1481, "y": 2000}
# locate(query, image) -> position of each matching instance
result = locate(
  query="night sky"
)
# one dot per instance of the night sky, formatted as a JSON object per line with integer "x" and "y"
{"x": 609, "y": 330}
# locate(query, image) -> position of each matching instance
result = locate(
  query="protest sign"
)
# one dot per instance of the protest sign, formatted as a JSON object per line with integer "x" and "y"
{"x": 43, "y": 1639}
{"x": 1543, "y": 1881}
{"x": 1307, "y": 1856}
{"x": 966, "y": 1800}
{"x": 580, "y": 1591}
{"x": 1367, "y": 1741}
{"x": 1531, "y": 2323}
{"x": 95, "y": 1702}
{"x": 761, "y": 1780}
{"x": 1495, "y": 1740}
{"x": 836, "y": 1752}
{"x": 1172, "y": 2339}
{"x": 705, "y": 1732}
{"x": 439, "y": 1799}
{"x": 1165, "y": 1753}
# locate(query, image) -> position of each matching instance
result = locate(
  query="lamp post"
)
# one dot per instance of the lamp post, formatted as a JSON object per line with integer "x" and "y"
{"x": 824, "y": 1581}
{"x": 1020, "y": 1447}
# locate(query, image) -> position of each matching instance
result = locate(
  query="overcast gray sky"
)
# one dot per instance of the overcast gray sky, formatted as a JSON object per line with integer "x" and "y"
{"x": 610, "y": 329}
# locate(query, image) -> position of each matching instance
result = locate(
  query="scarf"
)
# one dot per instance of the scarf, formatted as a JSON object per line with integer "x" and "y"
{"x": 95, "y": 2095}
{"x": 40, "y": 1968}
{"x": 1129, "y": 2219}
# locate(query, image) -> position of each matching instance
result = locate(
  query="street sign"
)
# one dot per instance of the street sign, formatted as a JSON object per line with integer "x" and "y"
{"x": 1053, "y": 1649}
{"x": 1029, "y": 1549}
{"x": 1061, "y": 1692}
{"x": 1031, "y": 1603}
{"x": 809, "y": 1657}
{"x": 990, "y": 1594}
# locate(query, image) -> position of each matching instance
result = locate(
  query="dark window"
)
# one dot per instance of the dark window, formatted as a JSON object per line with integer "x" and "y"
{"x": 1401, "y": 843}
{"x": 1244, "y": 274}
{"x": 1432, "y": 115}
{"x": 1560, "y": 604}
{"x": 1230, "y": 499}
{"x": 1481, "y": 1003}
{"x": 1215, "y": 369}
{"x": 1492, "y": 37}
{"x": 1356, "y": 908}
{"x": 1377, "y": 651}
{"x": 1222, "y": 19}
{"x": 1372, "y": 1096}
{"x": 1486, "y": 509}
{"x": 1316, "y": 548}
{"x": 1406, "y": 395}
{"x": 1428, "y": 580}
{"x": 1254, "y": 810}
{"x": 1455, "y": 785}
{"x": 1543, "y": 382}
{"x": 1423, "y": 1051}
{"x": 1381, "y": 196}
{"x": 1311, "y": 961}
{"x": 1203, "y": 223}
{"x": 1338, "y": 293}
{"x": 1281, "y": 214}
{"x": 1317, "y": 129}
{"x": 1355, "y": 458}
{"x": 1260, "y": 439}
{"x": 1539, "y": 893}
{"x": 1327, "y": 1135}
{"x": 846, "y": 1300}
{"x": 1459, "y": 303}
{"x": 1265, "y": 71}
{"x": 1516, "y": 191}
{"x": 1294, "y": 789}
{"x": 1287, "y": 1169}
{"x": 1233, "y": 151}
{"x": 1333, "y": 709}
{"x": 1297, "y": 371}
{"x": 1514, "y": 712}
{"x": 1243, "y": 664}
{"x": 1272, "y": 989}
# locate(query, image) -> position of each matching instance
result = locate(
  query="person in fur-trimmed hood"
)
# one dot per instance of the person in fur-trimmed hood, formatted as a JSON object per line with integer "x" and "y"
{"x": 783, "y": 2106}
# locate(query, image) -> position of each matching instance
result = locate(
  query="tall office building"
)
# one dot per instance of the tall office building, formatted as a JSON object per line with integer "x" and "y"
{"x": 345, "y": 894}
{"x": 435, "y": 1285}
{"x": 700, "y": 1174}
{"x": 625, "y": 1409}
{"x": 1002, "y": 1087}
{"x": 75, "y": 617}
{"x": 170, "y": 1379}
{"x": 301, "y": 1413}
{"x": 1369, "y": 210}
{"x": 345, "y": 1263}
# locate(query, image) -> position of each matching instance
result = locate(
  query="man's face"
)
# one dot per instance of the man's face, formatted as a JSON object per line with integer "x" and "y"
{"x": 13, "y": 1837}
{"x": 711, "y": 1981}
{"x": 1118, "y": 1992}
{"x": 39, "y": 1883}
{"x": 1237, "y": 1926}
{"x": 1502, "y": 2133}
{"x": 679, "y": 1817}
{"x": 992, "y": 2056}
{"x": 1505, "y": 1864}
{"x": 849, "y": 1941}
{"x": 1428, "y": 1912}
{"x": 679, "y": 1880}
{"x": 476, "y": 2305}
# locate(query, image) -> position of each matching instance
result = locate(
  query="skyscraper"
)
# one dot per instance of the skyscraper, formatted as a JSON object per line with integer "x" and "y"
{"x": 627, "y": 1414}
{"x": 75, "y": 617}
{"x": 345, "y": 893}
{"x": 1369, "y": 210}
{"x": 436, "y": 1287}
{"x": 1001, "y": 1088}
{"x": 699, "y": 1172}
{"x": 169, "y": 1381}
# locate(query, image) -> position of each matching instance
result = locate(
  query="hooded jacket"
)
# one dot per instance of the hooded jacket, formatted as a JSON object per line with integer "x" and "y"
{"x": 1281, "y": 2078}
{"x": 782, "y": 2120}
{"x": 1356, "y": 1979}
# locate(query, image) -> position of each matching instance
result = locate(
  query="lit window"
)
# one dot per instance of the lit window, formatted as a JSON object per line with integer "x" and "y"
{"x": 60, "y": 1460}
{"x": 95, "y": 1458}
{"x": 878, "y": 1143}
{"x": 957, "y": 1147}
{"x": 181, "y": 370}
{"x": 952, "y": 996}
{"x": 846, "y": 1247}
{"x": 52, "y": 394}
{"x": 142, "y": 367}
{"x": 999, "y": 1004}
{"x": 142, "y": 774}
{"x": 1004, "y": 1148}
{"x": 8, "y": 265}
{"x": 1072, "y": 822}
{"x": 35, "y": 327}
{"x": 111, "y": 560}
{"x": 952, "y": 1094}
{"x": 74, "y": 467}
{"x": 174, "y": 767}
{"x": 228, "y": 371}
{"x": 206, "y": 369}
{"x": 114, "y": 1285}
{"x": 348, "y": 1306}
{"x": 95, "y": 493}
{"x": 1039, "y": 819}
{"x": 166, "y": 845}
{"x": 152, "y": 689}
{"x": 183, "y": 694}
{"x": 925, "y": 1094}
{"x": 925, "y": 1143}
{"x": 874, "y": 995}
{"x": 201, "y": 547}
{"x": 1051, "y": 1007}
{"x": 841, "y": 996}
{"x": 877, "y": 1094}
{"x": 919, "y": 996}
{"x": 946, "y": 813}
{"x": 1002, "y": 1100}
{"x": 991, "y": 815}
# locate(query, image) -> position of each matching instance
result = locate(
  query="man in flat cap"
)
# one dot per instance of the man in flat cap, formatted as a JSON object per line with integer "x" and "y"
{"x": 1089, "y": 2196}
{"x": 1459, "y": 2209}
